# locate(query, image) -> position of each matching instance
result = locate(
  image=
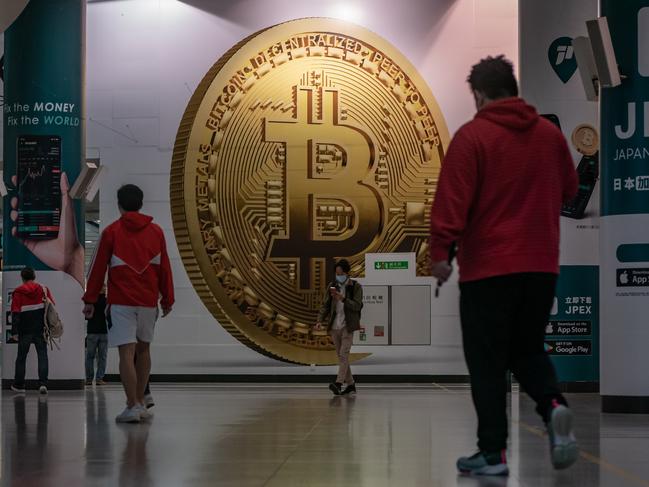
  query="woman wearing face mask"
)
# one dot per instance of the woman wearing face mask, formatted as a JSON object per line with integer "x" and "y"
{"x": 341, "y": 311}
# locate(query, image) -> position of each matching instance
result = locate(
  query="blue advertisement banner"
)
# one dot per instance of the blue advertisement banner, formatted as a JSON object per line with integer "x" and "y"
{"x": 572, "y": 333}
{"x": 43, "y": 138}
{"x": 625, "y": 112}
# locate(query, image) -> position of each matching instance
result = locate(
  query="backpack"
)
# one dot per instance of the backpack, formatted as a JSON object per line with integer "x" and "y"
{"x": 53, "y": 329}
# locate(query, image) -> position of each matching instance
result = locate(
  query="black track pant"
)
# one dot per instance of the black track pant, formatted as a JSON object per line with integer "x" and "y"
{"x": 503, "y": 328}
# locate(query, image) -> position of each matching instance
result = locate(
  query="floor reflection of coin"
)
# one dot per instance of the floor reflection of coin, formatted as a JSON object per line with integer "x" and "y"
{"x": 308, "y": 141}
{"x": 586, "y": 139}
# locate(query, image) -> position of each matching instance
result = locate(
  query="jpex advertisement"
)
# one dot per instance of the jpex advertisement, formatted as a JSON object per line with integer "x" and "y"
{"x": 625, "y": 205}
{"x": 550, "y": 80}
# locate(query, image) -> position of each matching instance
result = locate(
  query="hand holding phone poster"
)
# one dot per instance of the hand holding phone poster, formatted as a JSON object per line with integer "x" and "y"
{"x": 43, "y": 216}
{"x": 44, "y": 219}
{"x": 43, "y": 150}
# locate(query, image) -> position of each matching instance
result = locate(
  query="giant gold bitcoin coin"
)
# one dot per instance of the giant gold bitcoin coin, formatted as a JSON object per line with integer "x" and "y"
{"x": 306, "y": 142}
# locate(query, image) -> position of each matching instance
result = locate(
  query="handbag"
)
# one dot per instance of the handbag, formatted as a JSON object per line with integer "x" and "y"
{"x": 53, "y": 329}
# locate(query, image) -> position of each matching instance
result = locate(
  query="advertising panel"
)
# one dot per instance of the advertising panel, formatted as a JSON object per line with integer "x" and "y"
{"x": 625, "y": 208}
{"x": 551, "y": 81}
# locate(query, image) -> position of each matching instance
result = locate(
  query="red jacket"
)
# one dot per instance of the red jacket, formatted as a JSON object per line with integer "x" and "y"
{"x": 27, "y": 308}
{"x": 134, "y": 251}
{"x": 504, "y": 179}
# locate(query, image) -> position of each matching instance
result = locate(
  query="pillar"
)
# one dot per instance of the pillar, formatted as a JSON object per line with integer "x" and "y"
{"x": 43, "y": 147}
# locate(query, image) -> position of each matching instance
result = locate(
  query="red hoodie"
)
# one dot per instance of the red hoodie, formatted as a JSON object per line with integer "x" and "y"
{"x": 504, "y": 179}
{"x": 27, "y": 308}
{"x": 134, "y": 250}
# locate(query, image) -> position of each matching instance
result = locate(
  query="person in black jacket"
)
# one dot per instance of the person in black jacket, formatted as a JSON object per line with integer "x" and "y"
{"x": 341, "y": 313}
{"x": 28, "y": 320}
{"x": 97, "y": 342}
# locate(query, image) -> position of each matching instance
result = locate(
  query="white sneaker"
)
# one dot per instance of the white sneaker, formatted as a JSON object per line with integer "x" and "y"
{"x": 129, "y": 415}
{"x": 145, "y": 414}
{"x": 563, "y": 446}
{"x": 148, "y": 401}
{"x": 42, "y": 390}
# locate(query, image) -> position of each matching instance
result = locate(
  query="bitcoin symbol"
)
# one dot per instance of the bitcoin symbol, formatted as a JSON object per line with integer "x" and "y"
{"x": 306, "y": 142}
{"x": 585, "y": 139}
{"x": 301, "y": 137}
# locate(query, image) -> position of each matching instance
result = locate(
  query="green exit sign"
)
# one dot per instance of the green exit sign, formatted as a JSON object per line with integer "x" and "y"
{"x": 391, "y": 265}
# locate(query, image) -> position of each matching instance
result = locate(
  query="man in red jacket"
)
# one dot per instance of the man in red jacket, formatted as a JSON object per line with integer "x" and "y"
{"x": 134, "y": 252}
{"x": 27, "y": 322}
{"x": 504, "y": 179}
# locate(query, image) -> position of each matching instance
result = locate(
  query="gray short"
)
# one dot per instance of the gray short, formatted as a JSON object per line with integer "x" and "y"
{"x": 131, "y": 324}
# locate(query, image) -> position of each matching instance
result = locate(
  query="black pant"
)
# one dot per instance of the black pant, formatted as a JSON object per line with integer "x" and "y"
{"x": 503, "y": 328}
{"x": 24, "y": 341}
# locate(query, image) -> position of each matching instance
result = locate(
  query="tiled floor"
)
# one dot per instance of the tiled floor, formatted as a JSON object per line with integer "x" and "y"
{"x": 403, "y": 436}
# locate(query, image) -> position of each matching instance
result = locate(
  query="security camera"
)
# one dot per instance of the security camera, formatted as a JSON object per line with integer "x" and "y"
{"x": 596, "y": 59}
{"x": 87, "y": 184}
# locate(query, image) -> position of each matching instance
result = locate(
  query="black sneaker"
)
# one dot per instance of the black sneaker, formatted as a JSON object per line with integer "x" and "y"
{"x": 148, "y": 401}
{"x": 350, "y": 389}
{"x": 18, "y": 389}
{"x": 335, "y": 387}
{"x": 483, "y": 463}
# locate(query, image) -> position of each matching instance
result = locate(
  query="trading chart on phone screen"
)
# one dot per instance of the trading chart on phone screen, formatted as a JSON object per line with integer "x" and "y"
{"x": 39, "y": 179}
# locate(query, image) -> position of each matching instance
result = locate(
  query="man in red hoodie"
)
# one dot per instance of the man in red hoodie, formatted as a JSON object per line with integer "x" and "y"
{"x": 134, "y": 252}
{"x": 27, "y": 321}
{"x": 503, "y": 181}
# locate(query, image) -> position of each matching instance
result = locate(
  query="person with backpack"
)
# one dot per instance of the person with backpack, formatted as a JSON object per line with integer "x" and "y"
{"x": 97, "y": 342}
{"x": 28, "y": 306}
{"x": 341, "y": 310}
{"x": 134, "y": 253}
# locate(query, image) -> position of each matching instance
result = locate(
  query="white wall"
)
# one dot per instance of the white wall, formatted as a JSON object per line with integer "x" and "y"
{"x": 144, "y": 59}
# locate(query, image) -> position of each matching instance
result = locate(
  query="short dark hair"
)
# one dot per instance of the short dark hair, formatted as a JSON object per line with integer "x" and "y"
{"x": 494, "y": 76}
{"x": 344, "y": 266}
{"x": 129, "y": 197}
{"x": 28, "y": 274}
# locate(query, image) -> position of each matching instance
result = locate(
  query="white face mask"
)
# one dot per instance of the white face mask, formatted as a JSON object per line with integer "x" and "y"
{"x": 341, "y": 279}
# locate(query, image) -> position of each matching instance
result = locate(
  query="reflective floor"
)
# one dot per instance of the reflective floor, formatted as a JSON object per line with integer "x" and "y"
{"x": 298, "y": 436}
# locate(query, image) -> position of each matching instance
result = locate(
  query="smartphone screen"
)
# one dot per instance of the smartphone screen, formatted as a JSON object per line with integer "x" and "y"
{"x": 588, "y": 171}
{"x": 39, "y": 186}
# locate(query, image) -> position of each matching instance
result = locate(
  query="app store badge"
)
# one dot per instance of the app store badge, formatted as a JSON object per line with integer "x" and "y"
{"x": 636, "y": 277}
